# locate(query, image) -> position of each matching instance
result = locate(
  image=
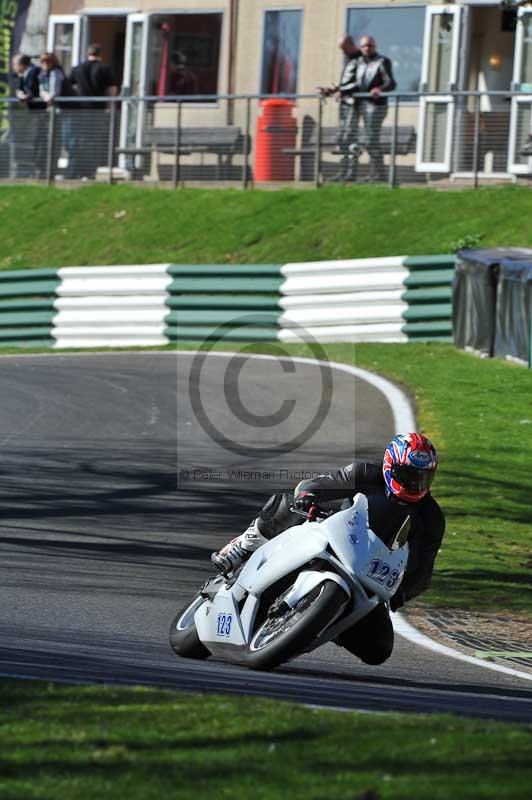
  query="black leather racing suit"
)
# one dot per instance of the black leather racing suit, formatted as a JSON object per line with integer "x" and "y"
{"x": 347, "y": 135}
{"x": 372, "y": 638}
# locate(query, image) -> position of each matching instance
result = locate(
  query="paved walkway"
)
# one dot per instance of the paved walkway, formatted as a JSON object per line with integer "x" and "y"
{"x": 500, "y": 638}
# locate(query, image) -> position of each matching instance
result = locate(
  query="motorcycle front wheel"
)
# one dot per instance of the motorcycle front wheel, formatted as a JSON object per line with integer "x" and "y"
{"x": 184, "y": 639}
{"x": 287, "y": 631}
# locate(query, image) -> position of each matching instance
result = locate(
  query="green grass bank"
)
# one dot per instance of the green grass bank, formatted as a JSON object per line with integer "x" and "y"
{"x": 87, "y": 743}
{"x": 136, "y": 225}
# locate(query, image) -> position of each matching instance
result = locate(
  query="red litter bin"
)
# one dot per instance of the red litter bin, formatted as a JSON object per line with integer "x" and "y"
{"x": 276, "y": 134}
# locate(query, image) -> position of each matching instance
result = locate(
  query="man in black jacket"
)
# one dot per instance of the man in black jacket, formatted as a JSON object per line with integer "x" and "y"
{"x": 27, "y": 74}
{"x": 91, "y": 78}
{"x": 373, "y": 75}
{"x": 24, "y": 126}
{"x": 344, "y": 93}
{"x": 397, "y": 491}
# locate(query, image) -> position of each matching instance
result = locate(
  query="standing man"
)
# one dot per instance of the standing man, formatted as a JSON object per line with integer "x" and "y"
{"x": 24, "y": 126}
{"x": 344, "y": 92}
{"x": 373, "y": 75}
{"x": 91, "y": 78}
{"x": 28, "y": 79}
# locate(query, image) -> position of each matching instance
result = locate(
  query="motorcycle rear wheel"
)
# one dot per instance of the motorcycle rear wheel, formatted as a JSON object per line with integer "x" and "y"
{"x": 184, "y": 639}
{"x": 279, "y": 638}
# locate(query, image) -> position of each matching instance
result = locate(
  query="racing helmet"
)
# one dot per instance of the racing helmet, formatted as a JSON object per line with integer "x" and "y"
{"x": 409, "y": 465}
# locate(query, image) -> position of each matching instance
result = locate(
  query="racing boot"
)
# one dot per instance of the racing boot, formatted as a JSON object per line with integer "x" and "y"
{"x": 238, "y": 550}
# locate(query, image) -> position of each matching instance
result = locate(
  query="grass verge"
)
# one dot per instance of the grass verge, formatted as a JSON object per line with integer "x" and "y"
{"x": 85, "y": 743}
{"x": 133, "y": 225}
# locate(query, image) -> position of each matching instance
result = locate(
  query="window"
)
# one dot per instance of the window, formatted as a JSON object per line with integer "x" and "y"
{"x": 184, "y": 54}
{"x": 526, "y": 65}
{"x": 398, "y": 32}
{"x": 280, "y": 52}
{"x": 63, "y": 39}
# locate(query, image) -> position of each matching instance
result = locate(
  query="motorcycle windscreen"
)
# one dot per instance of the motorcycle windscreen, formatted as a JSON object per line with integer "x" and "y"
{"x": 390, "y": 520}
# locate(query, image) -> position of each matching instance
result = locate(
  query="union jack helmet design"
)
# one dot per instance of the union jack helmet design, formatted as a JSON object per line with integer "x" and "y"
{"x": 409, "y": 464}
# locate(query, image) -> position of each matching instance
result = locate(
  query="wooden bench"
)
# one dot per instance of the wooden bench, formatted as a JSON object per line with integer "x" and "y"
{"x": 224, "y": 143}
{"x": 405, "y": 143}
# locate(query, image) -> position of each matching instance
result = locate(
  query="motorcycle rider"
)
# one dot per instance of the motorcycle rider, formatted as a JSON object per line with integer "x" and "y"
{"x": 400, "y": 488}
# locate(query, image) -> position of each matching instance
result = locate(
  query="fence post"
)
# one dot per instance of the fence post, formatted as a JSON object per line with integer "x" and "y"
{"x": 177, "y": 161}
{"x": 51, "y": 143}
{"x": 111, "y": 143}
{"x": 393, "y": 145}
{"x": 247, "y": 140}
{"x": 476, "y": 141}
{"x": 317, "y": 158}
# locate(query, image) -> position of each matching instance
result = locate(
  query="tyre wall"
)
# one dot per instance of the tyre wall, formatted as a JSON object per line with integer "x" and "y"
{"x": 382, "y": 299}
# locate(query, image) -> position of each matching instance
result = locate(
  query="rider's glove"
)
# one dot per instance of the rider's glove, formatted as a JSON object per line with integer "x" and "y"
{"x": 304, "y": 500}
{"x": 397, "y": 600}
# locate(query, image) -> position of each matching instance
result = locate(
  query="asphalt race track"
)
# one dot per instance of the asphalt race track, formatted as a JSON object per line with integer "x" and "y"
{"x": 110, "y": 513}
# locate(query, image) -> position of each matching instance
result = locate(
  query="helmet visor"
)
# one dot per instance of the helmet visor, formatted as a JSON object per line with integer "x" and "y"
{"x": 412, "y": 479}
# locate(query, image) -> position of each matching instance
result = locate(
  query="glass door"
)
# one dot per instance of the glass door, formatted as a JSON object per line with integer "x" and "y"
{"x": 520, "y": 152}
{"x": 136, "y": 51}
{"x": 439, "y": 73}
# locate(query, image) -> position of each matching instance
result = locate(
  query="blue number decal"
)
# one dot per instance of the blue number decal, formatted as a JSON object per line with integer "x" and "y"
{"x": 375, "y": 564}
{"x": 392, "y": 580}
{"x": 381, "y": 573}
{"x": 223, "y": 624}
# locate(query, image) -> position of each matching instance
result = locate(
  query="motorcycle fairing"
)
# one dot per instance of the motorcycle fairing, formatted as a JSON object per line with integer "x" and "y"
{"x": 307, "y": 581}
{"x": 266, "y": 566}
{"x": 282, "y": 555}
{"x": 208, "y": 616}
{"x": 362, "y": 553}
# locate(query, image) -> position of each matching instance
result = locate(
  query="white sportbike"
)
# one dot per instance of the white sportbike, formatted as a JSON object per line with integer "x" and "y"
{"x": 301, "y": 589}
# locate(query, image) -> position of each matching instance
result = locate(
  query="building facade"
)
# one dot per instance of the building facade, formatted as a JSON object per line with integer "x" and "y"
{"x": 220, "y": 47}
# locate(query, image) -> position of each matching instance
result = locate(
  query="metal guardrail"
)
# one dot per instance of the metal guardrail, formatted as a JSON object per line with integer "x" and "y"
{"x": 419, "y": 138}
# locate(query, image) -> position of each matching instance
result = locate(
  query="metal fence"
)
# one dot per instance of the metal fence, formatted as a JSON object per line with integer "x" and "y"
{"x": 250, "y": 140}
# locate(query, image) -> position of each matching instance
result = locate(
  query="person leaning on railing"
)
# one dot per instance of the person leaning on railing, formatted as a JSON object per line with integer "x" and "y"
{"x": 53, "y": 84}
{"x": 24, "y": 128}
{"x": 344, "y": 92}
{"x": 27, "y": 75}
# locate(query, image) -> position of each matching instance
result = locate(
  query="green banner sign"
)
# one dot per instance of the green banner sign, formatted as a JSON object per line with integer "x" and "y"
{"x": 12, "y": 18}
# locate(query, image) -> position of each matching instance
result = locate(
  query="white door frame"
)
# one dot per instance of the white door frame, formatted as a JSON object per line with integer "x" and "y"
{"x": 127, "y": 108}
{"x": 86, "y": 15}
{"x": 525, "y": 99}
{"x": 447, "y": 100}
{"x": 65, "y": 19}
